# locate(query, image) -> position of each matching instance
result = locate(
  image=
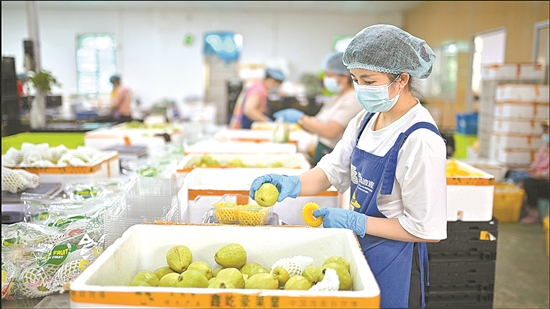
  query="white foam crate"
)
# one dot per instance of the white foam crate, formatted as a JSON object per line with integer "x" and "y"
{"x": 106, "y": 167}
{"x": 522, "y": 110}
{"x": 247, "y": 135}
{"x": 288, "y": 161}
{"x": 514, "y": 157}
{"x": 217, "y": 147}
{"x": 470, "y": 198}
{"x": 106, "y": 138}
{"x": 205, "y": 186}
{"x": 104, "y": 284}
{"x": 493, "y": 167}
{"x": 522, "y": 93}
{"x": 518, "y": 126}
{"x": 300, "y": 138}
{"x": 511, "y": 71}
{"x": 515, "y": 141}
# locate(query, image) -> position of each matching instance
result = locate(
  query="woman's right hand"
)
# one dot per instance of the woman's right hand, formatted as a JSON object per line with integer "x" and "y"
{"x": 288, "y": 186}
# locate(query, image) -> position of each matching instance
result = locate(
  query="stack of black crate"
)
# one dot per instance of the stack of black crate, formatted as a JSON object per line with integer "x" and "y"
{"x": 462, "y": 267}
{"x": 11, "y": 121}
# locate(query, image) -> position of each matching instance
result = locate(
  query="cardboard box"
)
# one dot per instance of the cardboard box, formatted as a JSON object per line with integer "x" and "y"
{"x": 470, "y": 198}
{"x": 205, "y": 186}
{"x": 217, "y": 147}
{"x": 288, "y": 161}
{"x": 105, "y": 282}
{"x": 527, "y": 110}
{"x": 105, "y": 168}
{"x": 522, "y": 93}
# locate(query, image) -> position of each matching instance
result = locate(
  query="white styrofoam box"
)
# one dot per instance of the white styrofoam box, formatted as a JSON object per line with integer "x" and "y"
{"x": 247, "y": 135}
{"x": 518, "y": 126}
{"x": 522, "y": 93}
{"x": 515, "y": 157}
{"x": 105, "y": 283}
{"x": 205, "y": 186}
{"x": 105, "y": 138}
{"x": 293, "y": 161}
{"x": 493, "y": 167}
{"x": 217, "y": 147}
{"x": 470, "y": 198}
{"x": 522, "y": 110}
{"x": 301, "y": 138}
{"x": 106, "y": 167}
{"x": 515, "y": 141}
{"x": 511, "y": 71}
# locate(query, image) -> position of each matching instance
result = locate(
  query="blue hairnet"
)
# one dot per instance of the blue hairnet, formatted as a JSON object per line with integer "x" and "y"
{"x": 333, "y": 63}
{"x": 388, "y": 49}
{"x": 276, "y": 74}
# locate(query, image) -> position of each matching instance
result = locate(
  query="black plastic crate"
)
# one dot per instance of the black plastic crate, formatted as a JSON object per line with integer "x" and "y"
{"x": 459, "y": 298}
{"x": 472, "y": 245}
{"x": 8, "y": 66}
{"x": 470, "y": 277}
{"x": 462, "y": 267}
{"x": 457, "y": 228}
{"x": 461, "y": 256}
{"x": 9, "y": 86}
{"x": 460, "y": 288}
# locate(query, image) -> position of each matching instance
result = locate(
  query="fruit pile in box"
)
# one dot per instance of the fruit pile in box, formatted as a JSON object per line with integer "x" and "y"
{"x": 455, "y": 169}
{"x": 208, "y": 161}
{"x": 42, "y": 155}
{"x": 234, "y": 271}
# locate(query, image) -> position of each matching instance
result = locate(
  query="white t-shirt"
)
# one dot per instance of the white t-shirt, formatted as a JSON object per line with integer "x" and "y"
{"x": 419, "y": 196}
{"x": 340, "y": 109}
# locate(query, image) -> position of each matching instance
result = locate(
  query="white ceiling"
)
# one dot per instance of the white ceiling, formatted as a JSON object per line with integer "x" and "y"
{"x": 302, "y": 6}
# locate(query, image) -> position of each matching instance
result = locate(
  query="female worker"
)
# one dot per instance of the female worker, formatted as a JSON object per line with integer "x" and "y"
{"x": 252, "y": 104}
{"x": 332, "y": 119}
{"x": 393, "y": 157}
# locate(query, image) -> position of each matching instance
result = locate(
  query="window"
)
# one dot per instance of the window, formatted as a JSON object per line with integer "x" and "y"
{"x": 441, "y": 84}
{"x": 95, "y": 63}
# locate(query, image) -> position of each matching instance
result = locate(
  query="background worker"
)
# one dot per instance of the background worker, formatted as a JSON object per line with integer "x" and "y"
{"x": 334, "y": 116}
{"x": 252, "y": 104}
{"x": 537, "y": 184}
{"x": 392, "y": 158}
{"x": 121, "y": 100}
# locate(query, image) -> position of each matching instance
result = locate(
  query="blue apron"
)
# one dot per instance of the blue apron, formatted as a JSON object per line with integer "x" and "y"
{"x": 389, "y": 260}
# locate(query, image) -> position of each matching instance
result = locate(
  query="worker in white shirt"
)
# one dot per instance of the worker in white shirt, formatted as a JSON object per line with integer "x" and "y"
{"x": 393, "y": 159}
{"x": 334, "y": 116}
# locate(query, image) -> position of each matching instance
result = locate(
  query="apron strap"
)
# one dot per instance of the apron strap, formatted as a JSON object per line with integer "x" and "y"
{"x": 389, "y": 172}
{"x": 364, "y": 122}
{"x": 424, "y": 270}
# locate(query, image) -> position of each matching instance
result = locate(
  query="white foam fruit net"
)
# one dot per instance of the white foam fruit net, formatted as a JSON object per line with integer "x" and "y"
{"x": 18, "y": 180}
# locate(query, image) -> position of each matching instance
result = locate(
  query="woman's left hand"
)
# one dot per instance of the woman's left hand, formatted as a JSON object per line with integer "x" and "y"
{"x": 341, "y": 218}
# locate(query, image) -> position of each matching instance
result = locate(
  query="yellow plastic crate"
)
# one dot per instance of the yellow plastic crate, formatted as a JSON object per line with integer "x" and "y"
{"x": 507, "y": 202}
{"x": 545, "y": 223}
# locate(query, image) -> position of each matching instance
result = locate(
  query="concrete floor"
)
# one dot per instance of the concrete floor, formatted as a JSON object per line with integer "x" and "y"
{"x": 522, "y": 267}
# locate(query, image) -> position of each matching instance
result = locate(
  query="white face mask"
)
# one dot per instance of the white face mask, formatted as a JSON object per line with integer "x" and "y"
{"x": 331, "y": 84}
{"x": 376, "y": 98}
{"x": 545, "y": 138}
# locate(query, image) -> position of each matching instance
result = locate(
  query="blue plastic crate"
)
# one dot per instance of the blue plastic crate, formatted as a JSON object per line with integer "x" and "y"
{"x": 467, "y": 123}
